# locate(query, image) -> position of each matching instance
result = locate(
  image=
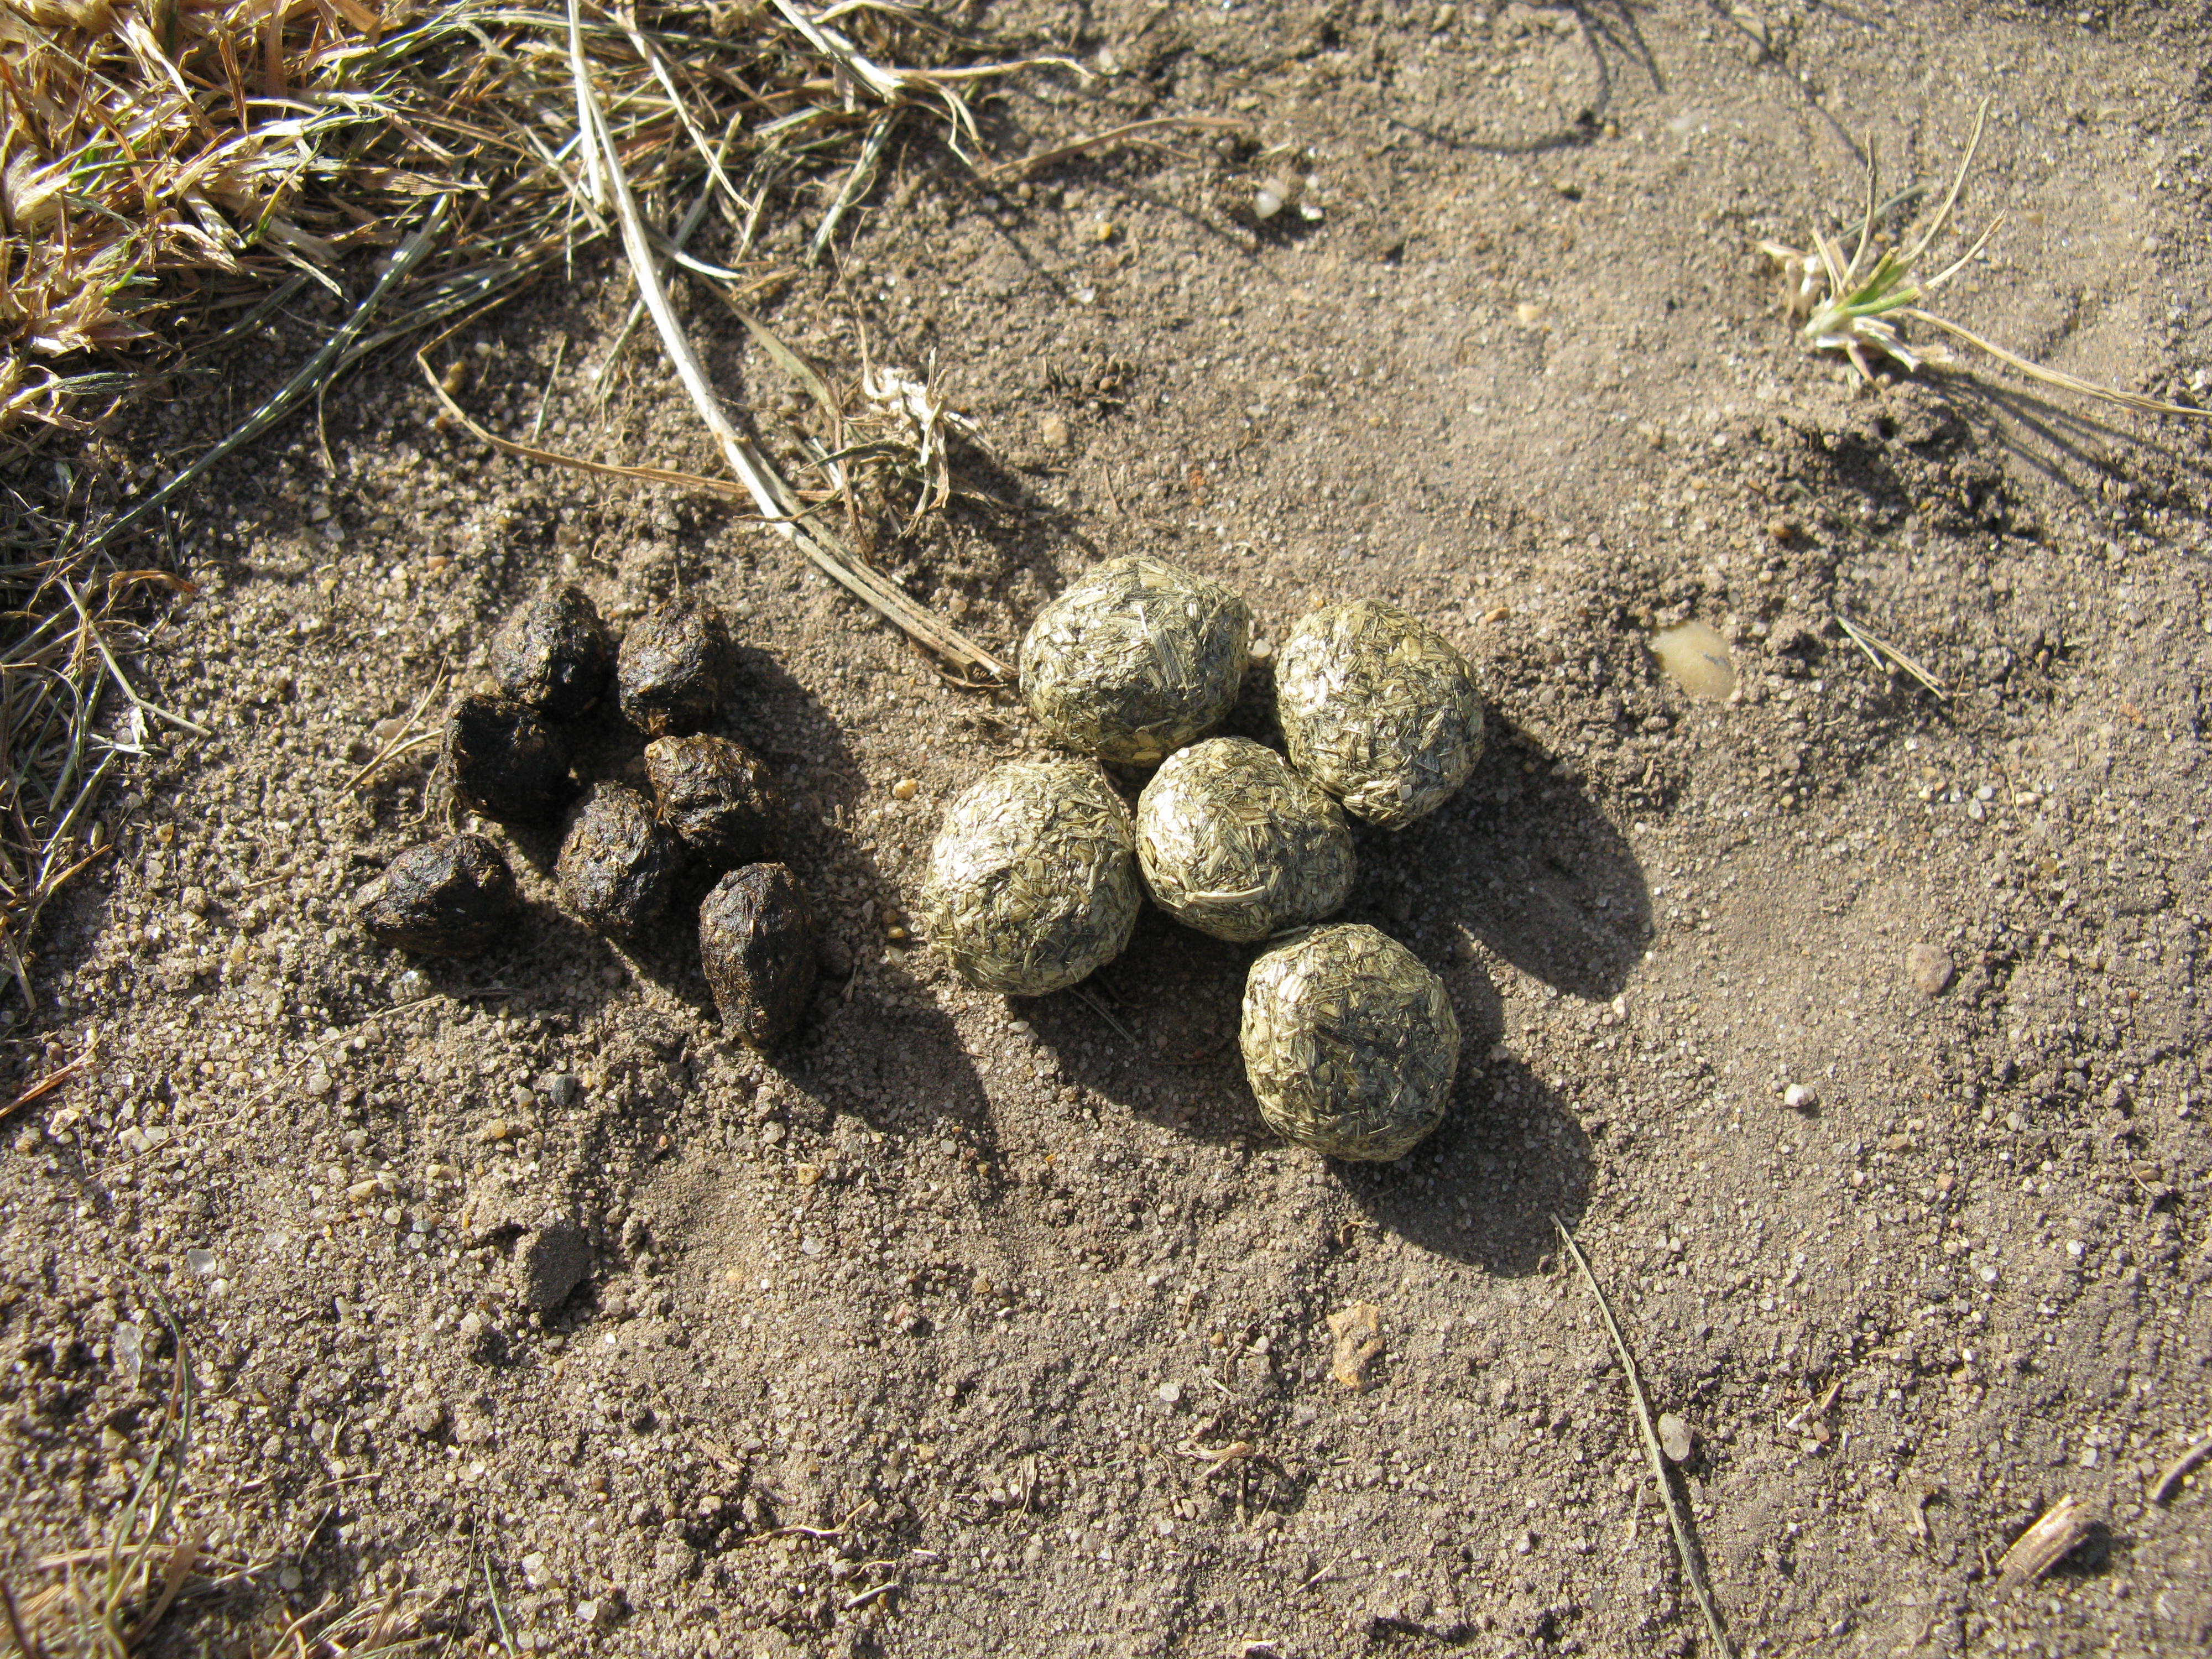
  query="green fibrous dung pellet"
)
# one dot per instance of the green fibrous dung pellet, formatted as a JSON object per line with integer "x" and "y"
{"x": 1136, "y": 661}
{"x": 1033, "y": 880}
{"x": 1236, "y": 844}
{"x": 1379, "y": 709}
{"x": 1349, "y": 1042}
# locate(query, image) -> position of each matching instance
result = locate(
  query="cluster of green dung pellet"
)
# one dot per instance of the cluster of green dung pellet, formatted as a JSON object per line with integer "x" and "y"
{"x": 1350, "y": 1044}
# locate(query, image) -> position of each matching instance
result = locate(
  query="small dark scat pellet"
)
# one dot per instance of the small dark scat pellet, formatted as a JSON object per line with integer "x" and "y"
{"x": 618, "y": 863}
{"x": 719, "y": 798}
{"x": 555, "y": 654}
{"x": 505, "y": 762}
{"x": 445, "y": 898}
{"x": 758, "y": 944}
{"x": 676, "y": 669}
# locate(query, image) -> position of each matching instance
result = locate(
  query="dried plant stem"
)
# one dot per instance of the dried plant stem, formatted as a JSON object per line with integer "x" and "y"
{"x": 311, "y": 377}
{"x": 1022, "y": 167}
{"x": 769, "y": 492}
{"x": 2180, "y": 1469}
{"x": 1686, "y": 1541}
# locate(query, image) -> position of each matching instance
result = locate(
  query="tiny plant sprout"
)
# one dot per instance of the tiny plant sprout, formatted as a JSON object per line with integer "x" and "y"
{"x": 1854, "y": 308}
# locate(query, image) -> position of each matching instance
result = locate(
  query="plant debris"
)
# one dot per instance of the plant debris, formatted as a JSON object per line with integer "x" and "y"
{"x": 1235, "y": 844}
{"x": 1379, "y": 709}
{"x": 1350, "y": 1043}
{"x": 1135, "y": 660}
{"x": 1033, "y": 878}
{"x": 2054, "y": 1535}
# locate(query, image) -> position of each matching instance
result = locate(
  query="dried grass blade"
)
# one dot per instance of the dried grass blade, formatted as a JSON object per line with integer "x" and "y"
{"x": 312, "y": 374}
{"x": 1885, "y": 656}
{"x": 2057, "y": 377}
{"x": 769, "y": 492}
{"x": 1686, "y": 1541}
{"x": 1024, "y": 166}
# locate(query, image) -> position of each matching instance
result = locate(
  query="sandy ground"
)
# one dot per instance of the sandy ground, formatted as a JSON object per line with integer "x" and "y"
{"x": 966, "y": 1322}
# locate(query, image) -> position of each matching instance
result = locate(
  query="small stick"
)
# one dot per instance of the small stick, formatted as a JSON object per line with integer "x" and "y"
{"x": 1877, "y": 649}
{"x": 1044, "y": 158}
{"x": 1686, "y": 1543}
{"x": 2180, "y": 1469}
{"x": 401, "y": 743}
{"x": 53, "y": 1080}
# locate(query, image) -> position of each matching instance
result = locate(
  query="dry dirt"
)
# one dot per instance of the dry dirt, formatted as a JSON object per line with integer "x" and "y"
{"x": 967, "y": 1324}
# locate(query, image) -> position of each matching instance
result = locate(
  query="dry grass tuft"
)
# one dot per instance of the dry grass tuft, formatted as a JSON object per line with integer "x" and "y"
{"x": 164, "y": 164}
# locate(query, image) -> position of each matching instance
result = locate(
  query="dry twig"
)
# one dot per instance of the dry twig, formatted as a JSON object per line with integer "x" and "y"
{"x": 1685, "y": 1542}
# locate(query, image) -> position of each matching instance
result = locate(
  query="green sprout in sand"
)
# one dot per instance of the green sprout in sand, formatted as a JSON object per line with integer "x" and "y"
{"x": 1854, "y": 308}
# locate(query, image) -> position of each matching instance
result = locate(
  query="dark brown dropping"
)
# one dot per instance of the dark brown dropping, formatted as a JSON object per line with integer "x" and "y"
{"x": 718, "y": 797}
{"x": 555, "y": 655}
{"x": 758, "y": 944}
{"x": 618, "y": 863}
{"x": 676, "y": 669}
{"x": 445, "y": 898}
{"x": 505, "y": 762}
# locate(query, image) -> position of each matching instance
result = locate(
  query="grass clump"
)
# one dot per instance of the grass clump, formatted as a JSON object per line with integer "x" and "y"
{"x": 1851, "y": 306}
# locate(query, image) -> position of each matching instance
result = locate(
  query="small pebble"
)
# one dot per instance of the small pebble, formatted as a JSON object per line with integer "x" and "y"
{"x": 445, "y": 898}
{"x": 1929, "y": 968}
{"x": 676, "y": 669}
{"x": 905, "y": 789}
{"x": 504, "y": 763}
{"x": 1675, "y": 1438}
{"x": 555, "y": 655}
{"x": 757, "y": 944}
{"x": 1697, "y": 659}
{"x": 617, "y": 863}
{"x": 1797, "y": 1096}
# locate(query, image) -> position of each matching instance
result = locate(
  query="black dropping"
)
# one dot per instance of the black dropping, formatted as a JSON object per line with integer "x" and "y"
{"x": 758, "y": 942}
{"x": 617, "y": 863}
{"x": 555, "y": 654}
{"x": 505, "y": 762}
{"x": 446, "y": 898}
{"x": 676, "y": 669}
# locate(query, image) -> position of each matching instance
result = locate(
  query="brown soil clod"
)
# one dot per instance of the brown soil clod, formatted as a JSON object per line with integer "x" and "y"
{"x": 760, "y": 947}
{"x": 555, "y": 655}
{"x": 718, "y": 798}
{"x": 504, "y": 763}
{"x": 1357, "y": 1344}
{"x": 550, "y": 1262}
{"x": 618, "y": 863}
{"x": 445, "y": 898}
{"x": 676, "y": 669}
